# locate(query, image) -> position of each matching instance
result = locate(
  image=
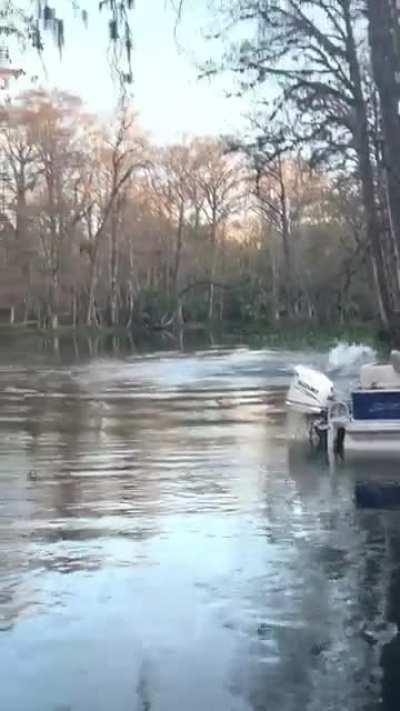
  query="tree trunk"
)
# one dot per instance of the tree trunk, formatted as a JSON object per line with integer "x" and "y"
{"x": 211, "y": 295}
{"x": 361, "y": 136}
{"x": 178, "y": 249}
{"x": 27, "y": 305}
{"x": 54, "y": 299}
{"x": 221, "y": 307}
{"x": 21, "y": 239}
{"x": 131, "y": 287}
{"x": 383, "y": 26}
{"x": 374, "y": 236}
{"x": 76, "y": 348}
{"x": 211, "y": 288}
{"x": 287, "y": 250}
{"x": 74, "y": 309}
{"x": 179, "y": 314}
{"x": 114, "y": 316}
{"x": 390, "y": 244}
{"x": 130, "y": 305}
{"x": 91, "y": 312}
{"x": 274, "y": 285}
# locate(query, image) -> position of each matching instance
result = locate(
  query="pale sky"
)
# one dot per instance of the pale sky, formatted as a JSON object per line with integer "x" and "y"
{"x": 169, "y": 98}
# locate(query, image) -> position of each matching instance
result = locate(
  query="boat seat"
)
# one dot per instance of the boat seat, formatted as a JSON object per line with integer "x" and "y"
{"x": 375, "y": 377}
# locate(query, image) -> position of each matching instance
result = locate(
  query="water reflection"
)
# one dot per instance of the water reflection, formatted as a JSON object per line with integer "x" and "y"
{"x": 171, "y": 551}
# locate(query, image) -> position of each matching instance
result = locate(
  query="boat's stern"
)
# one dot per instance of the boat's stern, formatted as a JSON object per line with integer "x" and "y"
{"x": 309, "y": 397}
{"x": 372, "y": 439}
{"x": 374, "y": 428}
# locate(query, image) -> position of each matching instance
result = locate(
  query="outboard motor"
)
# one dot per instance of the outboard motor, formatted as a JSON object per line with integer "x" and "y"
{"x": 310, "y": 394}
{"x": 310, "y": 391}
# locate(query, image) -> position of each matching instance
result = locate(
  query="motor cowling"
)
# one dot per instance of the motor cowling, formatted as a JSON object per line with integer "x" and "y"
{"x": 310, "y": 391}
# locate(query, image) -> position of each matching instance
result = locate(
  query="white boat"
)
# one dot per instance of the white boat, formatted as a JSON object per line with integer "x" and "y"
{"x": 367, "y": 425}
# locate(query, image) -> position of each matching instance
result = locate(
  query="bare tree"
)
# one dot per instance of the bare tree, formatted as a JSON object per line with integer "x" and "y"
{"x": 120, "y": 157}
{"x": 20, "y": 153}
{"x": 60, "y": 201}
{"x": 220, "y": 181}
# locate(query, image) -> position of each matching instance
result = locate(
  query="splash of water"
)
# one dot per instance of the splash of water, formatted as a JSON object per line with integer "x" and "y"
{"x": 345, "y": 356}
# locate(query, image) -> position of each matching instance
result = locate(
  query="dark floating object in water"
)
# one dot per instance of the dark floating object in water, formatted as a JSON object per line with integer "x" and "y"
{"x": 377, "y": 495}
{"x": 32, "y": 475}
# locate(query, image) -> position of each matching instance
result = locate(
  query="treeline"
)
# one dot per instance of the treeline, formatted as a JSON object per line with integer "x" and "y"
{"x": 100, "y": 227}
{"x": 331, "y": 70}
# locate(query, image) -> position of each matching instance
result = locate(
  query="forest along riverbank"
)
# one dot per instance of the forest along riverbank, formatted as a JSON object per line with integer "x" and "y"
{"x": 78, "y": 344}
{"x": 163, "y": 545}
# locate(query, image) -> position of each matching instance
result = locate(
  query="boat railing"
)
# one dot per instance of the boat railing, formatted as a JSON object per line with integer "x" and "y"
{"x": 338, "y": 412}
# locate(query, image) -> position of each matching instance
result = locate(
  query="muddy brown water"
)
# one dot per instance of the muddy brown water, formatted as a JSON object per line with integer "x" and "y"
{"x": 165, "y": 546}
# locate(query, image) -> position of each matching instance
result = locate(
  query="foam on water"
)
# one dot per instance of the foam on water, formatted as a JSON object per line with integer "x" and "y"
{"x": 347, "y": 356}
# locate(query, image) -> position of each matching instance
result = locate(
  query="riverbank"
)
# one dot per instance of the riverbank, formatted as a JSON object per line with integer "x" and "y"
{"x": 69, "y": 344}
{"x": 283, "y": 334}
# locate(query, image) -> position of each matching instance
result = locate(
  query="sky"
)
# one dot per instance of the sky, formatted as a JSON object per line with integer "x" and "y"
{"x": 170, "y": 99}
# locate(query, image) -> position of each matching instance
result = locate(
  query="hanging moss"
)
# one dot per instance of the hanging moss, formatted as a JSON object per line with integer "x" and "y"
{"x": 48, "y": 16}
{"x": 60, "y": 34}
{"x": 36, "y": 38}
{"x": 113, "y": 25}
{"x": 47, "y": 20}
{"x": 128, "y": 47}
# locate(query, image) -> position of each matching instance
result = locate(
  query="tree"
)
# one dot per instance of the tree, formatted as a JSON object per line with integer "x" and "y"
{"x": 311, "y": 52}
{"x": 20, "y": 152}
{"x": 272, "y": 200}
{"x": 122, "y": 154}
{"x": 384, "y": 36}
{"x": 169, "y": 181}
{"x": 61, "y": 202}
{"x": 178, "y": 189}
{"x": 220, "y": 181}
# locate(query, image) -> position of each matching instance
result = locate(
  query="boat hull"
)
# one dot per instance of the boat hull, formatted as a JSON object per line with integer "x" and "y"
{"x": 372, "y": 439}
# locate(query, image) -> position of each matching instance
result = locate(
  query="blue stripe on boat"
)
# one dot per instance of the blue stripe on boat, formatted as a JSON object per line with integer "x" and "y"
{"x": 379, "y": 405}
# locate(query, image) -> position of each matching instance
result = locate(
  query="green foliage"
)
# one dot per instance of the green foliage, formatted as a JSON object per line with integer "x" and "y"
{"x": 153, "y": 306}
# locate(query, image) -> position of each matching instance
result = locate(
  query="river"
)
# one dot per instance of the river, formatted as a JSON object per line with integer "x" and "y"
{"x": 165, "y": 545}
